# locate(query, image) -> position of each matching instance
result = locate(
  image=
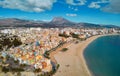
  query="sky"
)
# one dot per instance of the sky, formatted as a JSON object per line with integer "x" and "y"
{"x": 90, "y": 11}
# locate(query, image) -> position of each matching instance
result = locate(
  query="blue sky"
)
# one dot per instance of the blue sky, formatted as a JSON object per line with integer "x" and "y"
{"x": 91, "y": 11}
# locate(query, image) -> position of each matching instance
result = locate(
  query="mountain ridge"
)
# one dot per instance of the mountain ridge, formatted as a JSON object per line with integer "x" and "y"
{"x": 55, "y": 22}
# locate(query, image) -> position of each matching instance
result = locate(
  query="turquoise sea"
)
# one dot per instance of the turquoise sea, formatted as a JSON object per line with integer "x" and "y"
{"x": 103, "y": 56}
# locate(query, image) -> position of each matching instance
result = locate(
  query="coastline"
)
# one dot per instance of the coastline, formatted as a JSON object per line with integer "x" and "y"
{"x": 77, "y": 56}
{"x": 72, "y": 62}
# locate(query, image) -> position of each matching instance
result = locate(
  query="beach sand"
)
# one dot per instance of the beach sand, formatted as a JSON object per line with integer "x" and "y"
{"x": 72, "y": 62}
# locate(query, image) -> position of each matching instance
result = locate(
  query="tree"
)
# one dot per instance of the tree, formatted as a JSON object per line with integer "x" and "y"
{"x": 64, "y": 49}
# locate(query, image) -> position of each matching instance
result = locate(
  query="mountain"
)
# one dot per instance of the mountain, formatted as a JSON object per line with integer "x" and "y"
{"x": 110, "y": 26}
{"x": 55, "y": 22}
{"x": 60, "y": 21}
{"x": 14, "y": 22}
{"x": 89, "y": 25}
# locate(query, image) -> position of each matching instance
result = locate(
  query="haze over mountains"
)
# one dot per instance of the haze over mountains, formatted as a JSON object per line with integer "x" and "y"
{"x": 56, "y": 22}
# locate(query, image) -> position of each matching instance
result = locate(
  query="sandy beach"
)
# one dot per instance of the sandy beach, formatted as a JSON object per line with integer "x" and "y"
{"x": 72, "y": 62}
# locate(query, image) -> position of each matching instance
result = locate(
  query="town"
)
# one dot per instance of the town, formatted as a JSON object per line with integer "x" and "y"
{"x": 36, "y": 42}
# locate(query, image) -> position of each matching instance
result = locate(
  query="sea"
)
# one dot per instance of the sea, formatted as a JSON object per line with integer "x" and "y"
{"x": 103, "y": 56}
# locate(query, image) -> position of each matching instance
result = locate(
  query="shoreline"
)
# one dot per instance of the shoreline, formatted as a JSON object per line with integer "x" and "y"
{"x": 77, "y": 65}
{"x": 74, "y": 64}
{"x": 81, "y": 53}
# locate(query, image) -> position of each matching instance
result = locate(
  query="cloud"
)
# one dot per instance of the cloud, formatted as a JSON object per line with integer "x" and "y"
{"x": 71, "y": 15}
{"x": 73, "y": 8}
{"x": 94, "y": 5}
{"x": 113, "y": 7}
{"x": 46, "y": 20}
{"x": 28, "y": 5}
{"x": 97, "y": 4}
{"x": 78, "y": 2}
